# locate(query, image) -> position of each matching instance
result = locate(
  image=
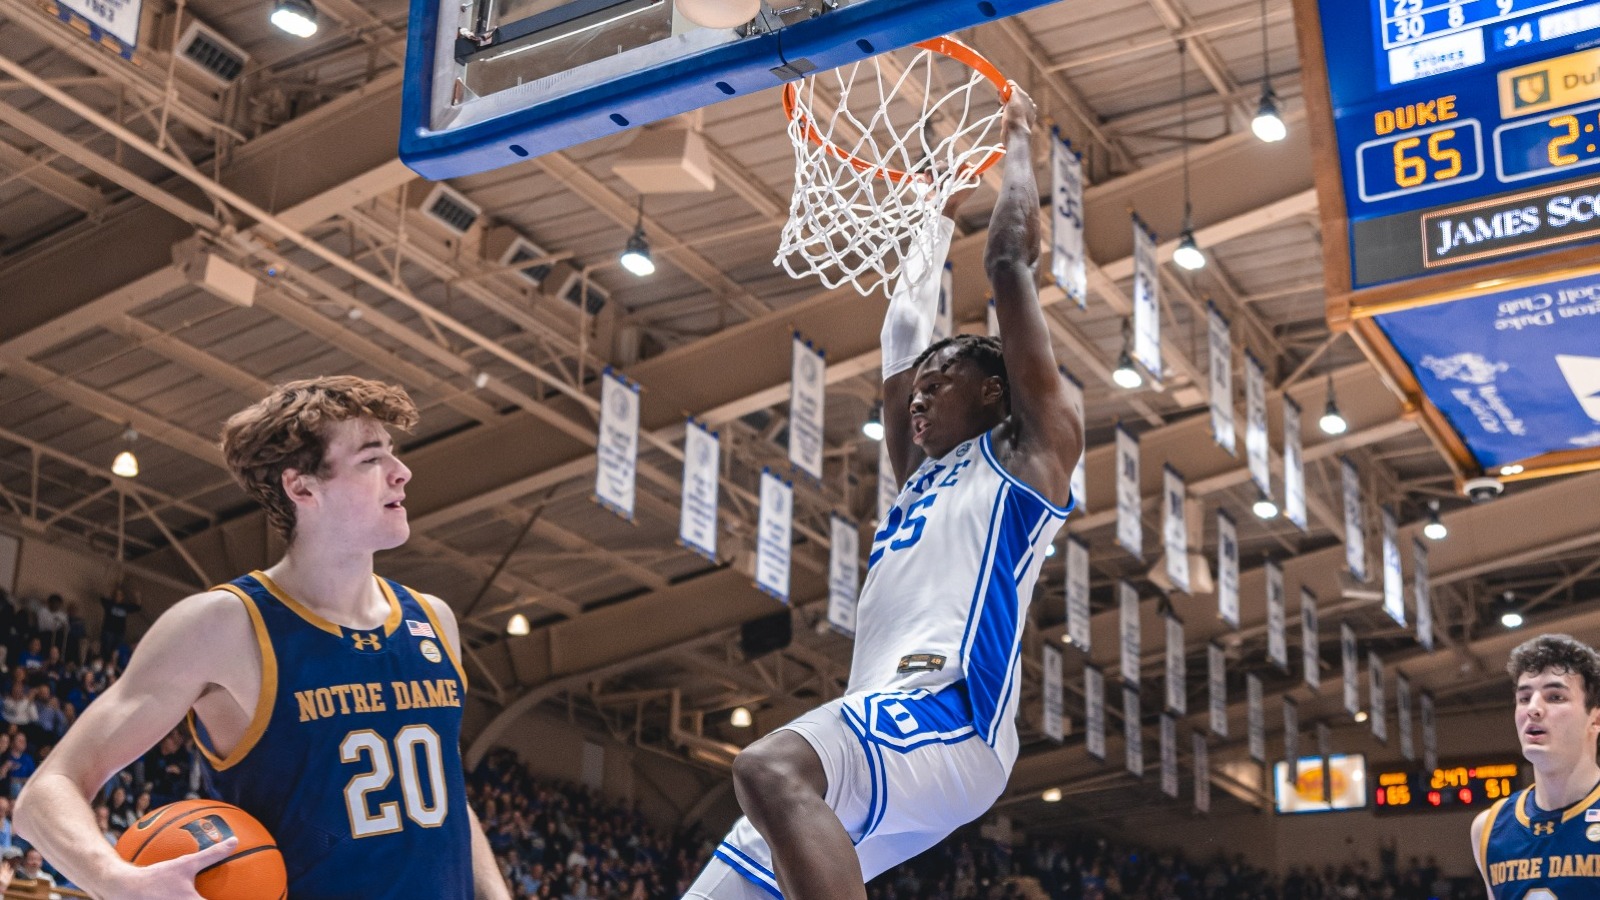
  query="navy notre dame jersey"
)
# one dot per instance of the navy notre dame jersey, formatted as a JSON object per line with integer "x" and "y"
{"x": 1531, "y": 854}
{"x": 352, "y": 758}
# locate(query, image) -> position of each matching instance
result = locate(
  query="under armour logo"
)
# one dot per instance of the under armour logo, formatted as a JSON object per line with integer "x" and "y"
{"x": 1544, "y": 828}
{"x": 366, "y": 641}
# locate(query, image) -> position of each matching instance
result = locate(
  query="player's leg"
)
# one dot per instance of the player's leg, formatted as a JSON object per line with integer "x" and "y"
{"x": 782, "y": 788}
{"x": 721, "y": 881}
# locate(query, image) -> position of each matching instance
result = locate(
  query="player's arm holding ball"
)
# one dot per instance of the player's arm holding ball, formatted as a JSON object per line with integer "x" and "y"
{"x": 202, "y": 647}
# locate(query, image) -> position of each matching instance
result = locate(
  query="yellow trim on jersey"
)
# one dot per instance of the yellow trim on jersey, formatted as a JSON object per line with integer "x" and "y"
{"x": 264, "y": 700}
{"x": 304, "y": 612}
{"x": 1488, "y": 828}
{"x": 449, "y": 648}
{"x": 1522, "y": 807}
{"x": 1581, "y": 805}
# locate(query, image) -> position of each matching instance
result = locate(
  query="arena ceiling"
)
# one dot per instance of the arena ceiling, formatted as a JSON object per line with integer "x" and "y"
{"x": 120, "y": 181}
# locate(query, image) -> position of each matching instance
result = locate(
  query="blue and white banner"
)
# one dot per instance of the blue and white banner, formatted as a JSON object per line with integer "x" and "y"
{"x": 1422, "y": 593}
{"x": 1256, "y": 449}
{"x": 1277, "y": 637}
{"x": 1202, "y": 774}
{"x": 1079, "y": 484}
{"x": 1175, "y": 528}
{"x": 1130, "y": 528}
{"x": 116, "y": 19}
{"x": 806, "y": 393}
{"x": 1221, "y": 340}
{"x": 775, "y": 535}
{"x": 1132, "y": 731}
{"x": 1169, "y": 755}
{"x": 1325, "y": 750}
{"x": 697, "y": 520}
{"x": 1294, "y": 465}
{"x": 1257, "y": 718}
{"x": 1349, "y": 664}
{"x": 1355, "y": 525}
{"x": 1376, "y": 698}
{"x": 1146, "y": 301}
{"x": 888, "y": 487}
{"x": 1430, "y": 734}
{"x": 1227, "y": 569}
{"x": 1177, "y": 668}
{"x": 944, "y": 317}
{"x": 1402, "y": 711}
{"x": 1310, "y": 641}
{"x": 1051, "y": 719}
{"x": 1516, "y": 372}
{"x": 1394, "y": 583}
{"x": 1094, "y": 712}
{"x": 1291, "y": 736}
{"x": 1078, "y": 612}
{"x": 617, "y": 444}
{"x": 1217, "y": 687}
{"x": 1068, "y": 263}
{"x": 1132, "y": 643}
{"x": 844, "y": 574}
{"x": 992, "y": 321}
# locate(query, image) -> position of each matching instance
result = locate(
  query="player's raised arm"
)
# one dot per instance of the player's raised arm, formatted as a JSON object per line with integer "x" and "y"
{"x": 1039, "y": 406}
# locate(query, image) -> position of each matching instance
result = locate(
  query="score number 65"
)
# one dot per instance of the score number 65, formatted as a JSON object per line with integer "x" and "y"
{"x": 1412, "y": 170}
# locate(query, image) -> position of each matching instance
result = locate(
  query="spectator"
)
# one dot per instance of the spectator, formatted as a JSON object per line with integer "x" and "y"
{"x": 8, "y": 836}
{"x": 18, "y": 708}
{"x": 33, "y": 869}
{"x": 51, "y": 721}
{"x": 102, "y": 817}
{"x": 120, "y": 808}
{"x": 84, "y": 691}
{"x": 167, "y": 769}
{"x": 17, "y": 765}
{"x": 33, "y": 657}
{"x": 114, "y": 623}
{"x": 52, "y": 618}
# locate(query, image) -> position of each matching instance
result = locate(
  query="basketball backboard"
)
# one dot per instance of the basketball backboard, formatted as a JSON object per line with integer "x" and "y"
{"x": 492, "y": 82}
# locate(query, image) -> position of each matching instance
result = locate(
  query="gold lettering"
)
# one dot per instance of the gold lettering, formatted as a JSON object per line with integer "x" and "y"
{"x": 1586, "y": 866}
{"x": 1558, "y": 865}
{"x": 1383, "y": 121}
{"x": 1447, "y": 109}
{"x": 1536, "y": 867}
{"x": 452, "y": 699}
{"x": 402, "y": 697}
{"x": 436, "y": 693}
{"x": 419, "y": 698}
{"x": 375, "y": 696}
{"x": 324, "y": 702}
{"x": 342, "y": 691}
{"x": 358, "y": 695}
{"x": 308, "y": 706}
{"x": 1413, "y": 115}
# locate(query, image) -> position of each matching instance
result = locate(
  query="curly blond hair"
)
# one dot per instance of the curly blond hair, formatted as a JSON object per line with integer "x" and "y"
{"x": 288, "y": 430}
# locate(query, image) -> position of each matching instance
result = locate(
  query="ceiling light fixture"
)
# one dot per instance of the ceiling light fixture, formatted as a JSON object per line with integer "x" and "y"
{"x": 126, "y": 465}
{"x": 636, "y": 255}
{"x": 873, "y": 426}
{"x": 741, "y": 717}
{"x": 298, "y": 17}
{"x": 1434, "y": 530}
{"x": 1188, "y": 255}
{"x": 1051, "y": 795}
{"x": 518, "y": 626}
{"x": 1332, "y": 422}
{"x": 1126, "y": 374}
{"x": 1268, "y": 124}
{"x": 1264, "y": 507}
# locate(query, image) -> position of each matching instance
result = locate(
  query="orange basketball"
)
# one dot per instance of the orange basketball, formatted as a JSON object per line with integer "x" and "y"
{"x": 254, "y": 871}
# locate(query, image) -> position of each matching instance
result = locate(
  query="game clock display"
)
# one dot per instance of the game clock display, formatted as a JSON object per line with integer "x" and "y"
{"x": 1470, "y": 786}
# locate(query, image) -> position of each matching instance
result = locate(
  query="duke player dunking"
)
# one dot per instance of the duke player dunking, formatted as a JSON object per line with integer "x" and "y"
{"x": 327, "y": 700}
{"x": 983, "y": 441}
{"x": 1543, "y": 842}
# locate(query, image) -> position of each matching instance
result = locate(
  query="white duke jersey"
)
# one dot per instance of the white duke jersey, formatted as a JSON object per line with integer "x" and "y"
{"x": 949, "y": 580}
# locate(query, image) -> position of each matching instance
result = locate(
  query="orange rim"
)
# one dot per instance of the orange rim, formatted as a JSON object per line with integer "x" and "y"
{"x": 944, "y": 46}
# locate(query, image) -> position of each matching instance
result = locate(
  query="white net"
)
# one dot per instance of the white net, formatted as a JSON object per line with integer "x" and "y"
{"x": 880, "y": 147}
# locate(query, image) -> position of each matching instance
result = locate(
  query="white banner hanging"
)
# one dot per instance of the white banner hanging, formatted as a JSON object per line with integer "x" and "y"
{"x": 1294, "y": 465}
{"x": 1402, "y": 715}
{"x": 1291, "y": 737}
{"x": 617, "y": 444}
{"x": 775, "y": 535}
{"x": 1052, "y": 724}
{"x": 1217, "y": 687}
{"x": 1255, "y": 424}
{"x": 1376, "y": 697}
{"x": 117, "y": 19}
{"x": 806, "y": 393}
{"x": 844, "y": 574}
{"x": 1146, "y": 301}
{"x": 1324, "y": 751}
{"x": 1257, "y": 725}
{"x": 992, "y": 322}
{"x": 1222, "y": 427}
{"x": 1227, "y": 569}
{"x": 1132, "y": 731}
{"x": 1174, "y": 527}
{"x": 944, "y": 318}
{"x": 1422, "y": 593}
{"x": 1078, "y": 483}
{"x": 1177, "y": 668}
{"x": 1277, "y": 626}
{"x": 1355, "y": 534}
{"x": 1130, "y": 528}
{"x": 1094, "y": 712}
{"x": 1430, "y": 734}
{"x": 1068, "y": 263}
{"x": 1310, "y": 641}
{"x": 888, "y": 487}
{"x": 1169, "y": 755}
{"x": 1078, "y": 613}
{"x": 702, "y": 460}
{"x": 1202, "y": 774}
{"x": 1128, "y": 607}
{"x": 1394, "y": 583}
{"x": 1349, "y": 664}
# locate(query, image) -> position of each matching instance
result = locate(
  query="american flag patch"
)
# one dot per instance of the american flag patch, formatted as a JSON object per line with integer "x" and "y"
{"x": 1591, "y": 815}
{"x": 420, "y": 629}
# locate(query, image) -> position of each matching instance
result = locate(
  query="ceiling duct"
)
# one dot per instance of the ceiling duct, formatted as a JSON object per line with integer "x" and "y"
{"x": 214, "y": 57}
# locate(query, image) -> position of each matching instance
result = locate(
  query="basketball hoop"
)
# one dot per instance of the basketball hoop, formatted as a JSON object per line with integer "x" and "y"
{"x": 871, "y": 173}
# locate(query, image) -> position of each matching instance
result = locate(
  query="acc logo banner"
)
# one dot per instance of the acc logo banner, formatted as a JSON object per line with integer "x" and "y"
{"x": 1550, "y": 83}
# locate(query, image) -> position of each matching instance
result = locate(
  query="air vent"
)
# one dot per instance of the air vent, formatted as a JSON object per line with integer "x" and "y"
{"x": 212, "y": 54}
{"x": 573, "y": 292}
{"x": 451, "y": 209}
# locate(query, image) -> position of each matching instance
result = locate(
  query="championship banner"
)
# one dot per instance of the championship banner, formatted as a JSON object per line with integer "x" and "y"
{"x": 992, "y": 320}
{"x": 1394, "y": 589}
{"x": 1094, "y": 712}
{"x": 844, "y": 574}
{"x": 944, "y": 318}
{"x": 1174, "y": 528}
{"x": 1325, "y": 750}
{"x": 1376, "y": 697}
{"x": 1430, "y": 734}
{"x": 1128, "y": 602}
{"x": 1402, "y": 712}
{"x": 806, "y": 372}
{"x": 1291, "y": 737}
{"x": 1347, "y": 658}
{"x": 1052, "y": 724}
{"x": 1169, "y": 755}
{"x": 1078, "y": 613}
{"x": 888, "y": 487}
{"x": 1277, "y": 639}
{"x": 697, "y": 519}
{"x": 1422, "y": 593}
{"x": 1310, "y": 641}
{"x": 1294, "y": 465}
{"x": 114, "y": 22}
{"x": 1256, "y": 448}
{"x": 1221, "y": 340}
{"x": 775, "y": 535}
{"x": 1068, "y": 262}
{"x": 1258, "y": 718}
{"x": 1227, "y": 569}
{"x": 1217, "y": 685}
{"x": 1355, "y": 535}
{"x": 1132, "y": 731}
{"x": 1202, "y": 774}
{"x": 617, "y": 444}
{"x": 1079, "y": 483}
{"x": 1146, "y": 301}
{"x": 1130, "y": 530}
{"x": 1177, "y": 668}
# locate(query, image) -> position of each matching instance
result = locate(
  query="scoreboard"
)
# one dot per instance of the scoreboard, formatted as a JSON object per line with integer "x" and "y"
{"x": 1469, "y": 786}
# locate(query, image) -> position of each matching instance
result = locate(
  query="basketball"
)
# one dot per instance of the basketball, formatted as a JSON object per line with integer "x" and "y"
{"x": 719, "y": 13}
{"x": 254, "y": 871}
